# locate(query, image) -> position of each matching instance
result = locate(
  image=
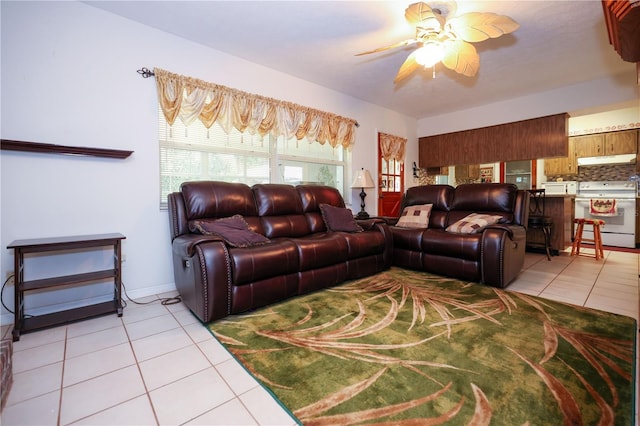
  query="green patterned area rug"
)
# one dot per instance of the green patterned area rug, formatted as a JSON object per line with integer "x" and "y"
{"x": 410, "y": 348}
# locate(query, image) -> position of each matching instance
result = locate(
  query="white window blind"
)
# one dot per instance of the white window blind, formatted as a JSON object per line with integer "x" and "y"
{"x": 196, "y": 153}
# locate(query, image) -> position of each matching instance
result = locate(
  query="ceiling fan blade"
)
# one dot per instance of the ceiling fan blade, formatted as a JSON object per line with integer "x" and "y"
{"x": 407, "y": 67}
{"x": 479, "y": 26}
{"x": 461, "y": 57}
{"x": 392, "y": 46}
{"x": 421, "y": 15}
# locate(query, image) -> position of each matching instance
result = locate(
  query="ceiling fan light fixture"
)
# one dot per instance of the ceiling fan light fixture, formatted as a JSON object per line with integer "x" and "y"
{"x": 430, "y": 54}
{"x": 444, "y": 37}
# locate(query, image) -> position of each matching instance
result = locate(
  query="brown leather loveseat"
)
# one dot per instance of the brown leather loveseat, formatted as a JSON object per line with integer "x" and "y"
{"x": 286, "y": 249}
{"x": 494, "y": 255}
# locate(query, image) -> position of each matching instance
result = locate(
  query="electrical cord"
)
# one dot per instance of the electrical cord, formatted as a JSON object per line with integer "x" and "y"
{"x": 163, "y": 300}
{"x": 2, "y": 293}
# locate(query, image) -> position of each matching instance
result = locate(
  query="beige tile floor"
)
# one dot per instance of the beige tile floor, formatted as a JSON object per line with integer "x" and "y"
{"x": 158, "y": 365}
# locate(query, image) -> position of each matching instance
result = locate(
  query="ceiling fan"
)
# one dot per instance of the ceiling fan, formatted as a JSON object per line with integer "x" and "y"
{"x": 447, "y": 40}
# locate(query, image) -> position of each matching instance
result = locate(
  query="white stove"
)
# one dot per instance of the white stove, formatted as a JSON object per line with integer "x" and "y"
{"x": 615, "y": 203}
{"x": 608, "y": 189}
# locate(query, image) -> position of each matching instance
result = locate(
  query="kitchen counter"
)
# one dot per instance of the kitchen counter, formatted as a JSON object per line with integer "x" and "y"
{"x": 561, "y": 208}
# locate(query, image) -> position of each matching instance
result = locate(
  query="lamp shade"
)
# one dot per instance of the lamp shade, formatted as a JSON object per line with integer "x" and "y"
{"x": 363, "y": 180}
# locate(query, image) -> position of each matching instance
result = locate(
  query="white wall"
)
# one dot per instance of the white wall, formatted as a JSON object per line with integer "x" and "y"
{"x": 603, "y": 94}
{"x": 68, "y": 77}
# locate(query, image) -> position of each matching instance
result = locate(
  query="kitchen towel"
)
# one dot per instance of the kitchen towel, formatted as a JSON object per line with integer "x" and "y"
{"x": 603, "y": 207}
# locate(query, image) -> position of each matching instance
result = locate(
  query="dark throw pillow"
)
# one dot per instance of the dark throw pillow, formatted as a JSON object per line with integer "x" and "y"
{"x": 234, "y": 230}
{"x": 339, "y": 219}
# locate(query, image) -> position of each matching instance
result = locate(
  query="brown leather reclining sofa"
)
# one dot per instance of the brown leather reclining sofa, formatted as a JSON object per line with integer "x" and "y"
{"x": 493, "y": 256}
{"x": 217, "y": 277}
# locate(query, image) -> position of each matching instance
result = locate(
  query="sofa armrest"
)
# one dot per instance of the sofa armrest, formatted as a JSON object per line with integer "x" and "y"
{"x": 389, "y": 220}
{"x": 184, "y": 245}
{"x": 502, "y": 253}
{"x": 507, "y": 228}
{"x": 202, "y": 273}
{"x": 369, "y": 224}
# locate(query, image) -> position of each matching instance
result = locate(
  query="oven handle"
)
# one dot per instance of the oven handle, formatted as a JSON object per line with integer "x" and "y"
{"x": 630, "y": 201}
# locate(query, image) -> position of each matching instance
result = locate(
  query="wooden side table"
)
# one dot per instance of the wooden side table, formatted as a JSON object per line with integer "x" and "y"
{"x": 41, "y": 245}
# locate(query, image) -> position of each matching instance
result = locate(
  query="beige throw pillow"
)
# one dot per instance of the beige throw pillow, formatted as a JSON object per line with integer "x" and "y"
{"x": 415, "y": 216}
{"x": 473, "y": 223}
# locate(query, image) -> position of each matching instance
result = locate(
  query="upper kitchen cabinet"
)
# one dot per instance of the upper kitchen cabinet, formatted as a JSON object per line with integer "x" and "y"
{"x": 467, "y": 171}
{"x": 562, "y": 165}
{"x": 612, "y": 143}
{"x": 589, "y": 146}
{"x": 625, "y": 142}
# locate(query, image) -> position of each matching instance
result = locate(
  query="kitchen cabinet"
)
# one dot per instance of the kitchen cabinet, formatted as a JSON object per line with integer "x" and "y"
{"x": 434, "y": 171}
{"x": 561, "y": 208}
{"x": 589, "y": 146}
{"x": 625, "y": 142}
{"x": 612, "y": 143}
{"x": 523, "y": 140}
{"x": 467, "y": 171}
{"x": 562, "y": 165}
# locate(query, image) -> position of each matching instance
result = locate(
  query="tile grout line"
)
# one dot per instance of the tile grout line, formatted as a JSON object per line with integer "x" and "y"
{"x": 64, "y": 362}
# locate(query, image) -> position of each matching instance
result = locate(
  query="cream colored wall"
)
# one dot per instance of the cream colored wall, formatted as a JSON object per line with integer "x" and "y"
{"x": 605, "y": 94}
{"x": 623, "y": 118}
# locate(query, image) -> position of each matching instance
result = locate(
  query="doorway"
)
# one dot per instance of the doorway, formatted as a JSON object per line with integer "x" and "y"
{"x": 390, "y": 184}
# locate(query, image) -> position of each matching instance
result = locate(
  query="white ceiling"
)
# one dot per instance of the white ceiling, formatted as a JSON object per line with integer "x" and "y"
{"x": 559, "y": 43}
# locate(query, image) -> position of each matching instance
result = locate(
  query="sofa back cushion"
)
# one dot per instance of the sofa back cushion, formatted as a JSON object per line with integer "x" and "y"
{"x": 311, "y": 196}
{"x": 211, "y": 200}
{"x": 441, "y": 196}
{"x": 280, "y": 210}
{"x": 489, "y": 198}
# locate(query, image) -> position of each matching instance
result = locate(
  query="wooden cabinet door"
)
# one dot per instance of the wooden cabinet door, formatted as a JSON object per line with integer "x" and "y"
{"x": 462, "y": 171}
{"x": 474, "y": 171}
{"x": 562, "y": 165}
{"x": 467, "y": 172}
{"x": 625, "y": 142}
{"x": 589, "y": 146}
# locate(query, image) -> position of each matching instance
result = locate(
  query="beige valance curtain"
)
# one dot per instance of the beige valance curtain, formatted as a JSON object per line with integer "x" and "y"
{"x": 189, "y": 99}
{"x": 392, "y": 147}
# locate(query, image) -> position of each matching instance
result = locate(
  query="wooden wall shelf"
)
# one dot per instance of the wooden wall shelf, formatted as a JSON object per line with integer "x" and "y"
{"x": 46, "y": 148}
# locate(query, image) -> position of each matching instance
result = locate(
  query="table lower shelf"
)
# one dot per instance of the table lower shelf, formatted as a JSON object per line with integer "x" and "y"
{"x": 63, "y": 317}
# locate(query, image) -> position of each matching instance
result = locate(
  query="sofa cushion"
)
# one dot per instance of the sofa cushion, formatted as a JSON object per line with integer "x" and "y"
{"x": 473, "y": 223}
{"x": 234, "y": 230}
{"x": 339, "y": 219}
{"x": 415, "y": 216}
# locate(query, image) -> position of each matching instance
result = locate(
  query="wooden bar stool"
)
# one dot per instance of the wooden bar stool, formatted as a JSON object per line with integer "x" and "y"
{"x": 597, "y": 237}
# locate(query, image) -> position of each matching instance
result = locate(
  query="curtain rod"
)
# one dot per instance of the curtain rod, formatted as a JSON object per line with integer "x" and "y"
{"x": 146, "y": 73}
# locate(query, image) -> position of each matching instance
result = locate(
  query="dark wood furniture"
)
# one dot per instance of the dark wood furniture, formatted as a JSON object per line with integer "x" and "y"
{"x": 25, "y": 323}
{"x": 561, "y": 208}
{"x": 522, "y": 140}
{"x": 47, "y": 148}
{"x": 539, "y": 221}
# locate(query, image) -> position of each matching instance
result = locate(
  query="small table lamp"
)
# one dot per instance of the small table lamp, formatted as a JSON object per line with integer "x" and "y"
{"x": 363, "y": 180}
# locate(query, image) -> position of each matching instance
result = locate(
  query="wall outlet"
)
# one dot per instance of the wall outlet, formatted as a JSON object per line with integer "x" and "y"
{"x": 124, "y": 258}
{"x": 9, "y": 274}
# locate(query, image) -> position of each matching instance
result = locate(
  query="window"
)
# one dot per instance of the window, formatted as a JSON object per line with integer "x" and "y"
{"x": 193, "y": 152}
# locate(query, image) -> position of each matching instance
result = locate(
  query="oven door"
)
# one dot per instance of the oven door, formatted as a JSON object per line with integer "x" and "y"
{"x": 619, "y": 230}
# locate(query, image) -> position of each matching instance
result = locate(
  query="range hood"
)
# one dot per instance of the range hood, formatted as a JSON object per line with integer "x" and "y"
{"x": 607, "y": 159}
